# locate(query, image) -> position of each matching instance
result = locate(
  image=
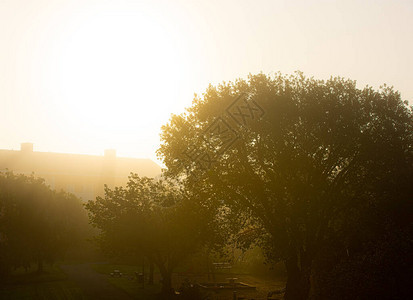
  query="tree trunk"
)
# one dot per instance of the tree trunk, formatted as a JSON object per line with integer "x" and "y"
{"x": 40, "y": 266}
{"x": 207, "y": 266}
{"x": 166, "y": 281}
{"x": 298, "y": 281}
{"x": 210, "y": 268}
{"x": 151, "y": 268}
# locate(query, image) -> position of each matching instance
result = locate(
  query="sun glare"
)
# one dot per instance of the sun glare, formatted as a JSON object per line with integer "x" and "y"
{"x": 117, "y": 73}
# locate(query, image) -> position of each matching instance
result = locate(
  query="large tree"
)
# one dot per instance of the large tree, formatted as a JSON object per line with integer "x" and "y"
{"x": 294, "y": 157}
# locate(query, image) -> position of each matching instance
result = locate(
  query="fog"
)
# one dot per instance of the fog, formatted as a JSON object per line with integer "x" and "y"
{"x": 214, "y": 150}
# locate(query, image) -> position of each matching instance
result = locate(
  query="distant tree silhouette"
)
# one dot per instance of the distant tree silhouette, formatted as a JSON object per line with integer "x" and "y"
{"x": 36, "y": 223}
{"x": 153, "y": 218}
{"x": 316, "y": 156}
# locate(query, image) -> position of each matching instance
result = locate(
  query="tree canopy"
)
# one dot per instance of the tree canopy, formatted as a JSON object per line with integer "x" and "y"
{"x": 297, "y": 157}
{"x": 37, "y": 224}
{"x": 153, "y": 218}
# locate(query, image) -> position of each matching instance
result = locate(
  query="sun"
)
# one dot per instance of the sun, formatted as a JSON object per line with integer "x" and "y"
{"x": 117, "y": 73}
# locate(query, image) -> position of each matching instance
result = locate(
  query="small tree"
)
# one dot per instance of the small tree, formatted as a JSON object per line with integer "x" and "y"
{"x": 154, "y": 218}
{"x": 37, "y": 224}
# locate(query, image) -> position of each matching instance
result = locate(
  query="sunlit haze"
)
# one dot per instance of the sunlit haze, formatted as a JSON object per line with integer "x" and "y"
{"x": 84, "y": 76}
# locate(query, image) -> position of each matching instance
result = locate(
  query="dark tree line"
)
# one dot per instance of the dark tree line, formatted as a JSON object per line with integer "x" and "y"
{"x": 37, "y": 225}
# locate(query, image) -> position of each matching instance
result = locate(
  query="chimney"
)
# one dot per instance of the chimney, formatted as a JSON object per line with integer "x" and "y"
{"x": 26, "y": 147}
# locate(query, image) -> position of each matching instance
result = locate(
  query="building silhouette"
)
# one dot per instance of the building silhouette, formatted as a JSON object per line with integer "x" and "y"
{"x": 82, "y": 175}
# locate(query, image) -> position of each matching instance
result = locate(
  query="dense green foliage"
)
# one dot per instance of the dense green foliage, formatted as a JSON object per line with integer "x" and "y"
{"x": 37, "y": 224}
{"x": 314, "y": 162}
{"x": 155, "y": 219}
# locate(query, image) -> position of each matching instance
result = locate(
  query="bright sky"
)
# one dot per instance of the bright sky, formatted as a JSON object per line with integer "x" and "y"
{"x": 87, "y": 75}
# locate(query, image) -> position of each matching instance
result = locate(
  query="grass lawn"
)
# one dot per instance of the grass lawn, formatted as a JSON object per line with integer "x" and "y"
{"x": 129, "y": 284}
{"x": 51, "y": 284}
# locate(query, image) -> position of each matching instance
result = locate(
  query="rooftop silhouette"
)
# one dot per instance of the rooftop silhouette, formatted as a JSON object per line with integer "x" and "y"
{"x": 83, "y": 175}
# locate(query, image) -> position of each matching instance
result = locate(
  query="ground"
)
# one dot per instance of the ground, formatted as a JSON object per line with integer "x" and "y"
{"x": 94, "y": 285}
{"x": 52, "y": 284}
{"x": 93, "y": 281}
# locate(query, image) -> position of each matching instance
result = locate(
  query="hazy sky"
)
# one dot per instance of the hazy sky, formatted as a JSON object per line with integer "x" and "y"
{"x": 84, "y": 76}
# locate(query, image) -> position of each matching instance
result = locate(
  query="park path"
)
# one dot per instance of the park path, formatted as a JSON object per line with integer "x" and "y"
{"x": 93, "y": 284}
